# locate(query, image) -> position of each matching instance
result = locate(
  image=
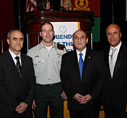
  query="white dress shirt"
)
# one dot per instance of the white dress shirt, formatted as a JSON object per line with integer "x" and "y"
{"x": 116, "y": 52}
{"x": 13, "y": 57}
{"x": 83, "y": 52}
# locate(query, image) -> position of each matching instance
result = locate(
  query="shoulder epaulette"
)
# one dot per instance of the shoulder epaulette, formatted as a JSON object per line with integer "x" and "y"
{"x": 60, "y": 46}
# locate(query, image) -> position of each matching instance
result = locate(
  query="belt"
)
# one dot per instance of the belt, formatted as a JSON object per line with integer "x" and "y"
{"x": 54, "y": 84}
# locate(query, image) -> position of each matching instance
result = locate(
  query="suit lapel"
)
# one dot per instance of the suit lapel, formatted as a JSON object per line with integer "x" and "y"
{"x": 86, "y": 61}
{"x": 87, "y": 58}
{"x": 11, "y": 63}
{"x": 23, "y": 60}
{"x": 106, "y": 58}
{"x": 75, "y": 61}
{"x": 118, "y": 63}
{"x": 75, "y": 64}
{"x": 119, "y": 60}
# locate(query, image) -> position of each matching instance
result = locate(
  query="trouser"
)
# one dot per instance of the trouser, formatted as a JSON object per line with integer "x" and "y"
{"x": 114, "y": 113}
{"x": 49, "y": 96}
{"x": 84, "y": 113}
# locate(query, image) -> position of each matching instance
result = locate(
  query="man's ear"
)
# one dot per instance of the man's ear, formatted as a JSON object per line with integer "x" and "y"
{"x": 40, "y": 34}
{"x": 120, "y": 35}
{"x": 8, "y": 41}
{"x": 87, "y": 40}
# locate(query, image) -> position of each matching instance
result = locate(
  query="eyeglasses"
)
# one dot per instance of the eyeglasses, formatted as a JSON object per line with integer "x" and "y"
{"x": 47, "y": 31}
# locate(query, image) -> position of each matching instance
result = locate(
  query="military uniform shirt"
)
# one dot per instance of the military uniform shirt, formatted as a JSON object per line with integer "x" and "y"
{"x": 47, "y": 64}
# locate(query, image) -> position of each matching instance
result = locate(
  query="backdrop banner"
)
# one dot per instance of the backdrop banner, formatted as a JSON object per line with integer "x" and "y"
{"x": 64, "y": 33}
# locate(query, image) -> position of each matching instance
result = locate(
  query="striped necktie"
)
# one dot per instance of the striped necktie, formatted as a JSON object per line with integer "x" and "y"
{"x": 18, "y": 65}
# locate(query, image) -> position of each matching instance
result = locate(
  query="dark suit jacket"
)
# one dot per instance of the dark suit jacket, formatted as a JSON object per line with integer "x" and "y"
{"x": 92, "y": 78}
{"x": 13, "y": 88}
{"x": 115, "y": 89}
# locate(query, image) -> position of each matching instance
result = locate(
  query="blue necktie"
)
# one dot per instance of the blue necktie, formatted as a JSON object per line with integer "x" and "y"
{"x": 80, "y": 65}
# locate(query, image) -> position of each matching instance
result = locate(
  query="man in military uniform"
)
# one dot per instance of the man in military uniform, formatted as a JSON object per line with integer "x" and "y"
{"x": 47, "y": 63}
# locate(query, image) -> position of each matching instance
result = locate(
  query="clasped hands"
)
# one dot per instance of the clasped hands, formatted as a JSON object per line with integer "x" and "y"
{"x": 82, "y": 99}
{"x": 21, "y": 107}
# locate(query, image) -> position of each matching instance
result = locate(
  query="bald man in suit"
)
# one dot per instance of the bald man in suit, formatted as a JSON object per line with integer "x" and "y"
{"x": 82, "y": 86}
{"x": 114, "y": 94}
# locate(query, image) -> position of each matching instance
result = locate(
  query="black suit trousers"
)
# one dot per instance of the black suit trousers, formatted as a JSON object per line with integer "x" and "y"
{"x": 84, "y": 114}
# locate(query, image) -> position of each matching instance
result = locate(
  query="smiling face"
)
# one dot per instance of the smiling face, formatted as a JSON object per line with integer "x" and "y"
{"x": 47, "y": 34}
{"x": 113, "y": 34}
{"x": 80, "y": 40}
{"x": 15, "y": 41}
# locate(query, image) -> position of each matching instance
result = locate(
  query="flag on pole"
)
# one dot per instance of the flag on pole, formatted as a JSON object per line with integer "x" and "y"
{"x": 31, "y": 5}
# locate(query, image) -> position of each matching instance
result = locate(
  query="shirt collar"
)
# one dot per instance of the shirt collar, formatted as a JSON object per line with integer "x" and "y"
{"x": 41, "y": 45}
{"x": 13, "y": 55}
{"x": 117, "y": 47}
{"x": 83, "y": 52}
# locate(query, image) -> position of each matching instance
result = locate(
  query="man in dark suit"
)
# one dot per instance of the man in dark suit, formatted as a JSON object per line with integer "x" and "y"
{"x": 82, "y": 87}
{"x": 114, "y": 94}
{"x": 17, "y": 80}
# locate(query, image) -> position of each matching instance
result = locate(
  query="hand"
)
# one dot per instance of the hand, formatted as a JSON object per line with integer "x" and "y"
{"x": 126, "y": 108}
{"x": 33, "y": 105}
{"x": 101, "y": 108}
{"x": 88, "y": 97}
{"x": 78, "y": 97}
{"x": 64, "y": 96}
{"x": 85, "y": 99}
{"x": 21, "y": 107}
